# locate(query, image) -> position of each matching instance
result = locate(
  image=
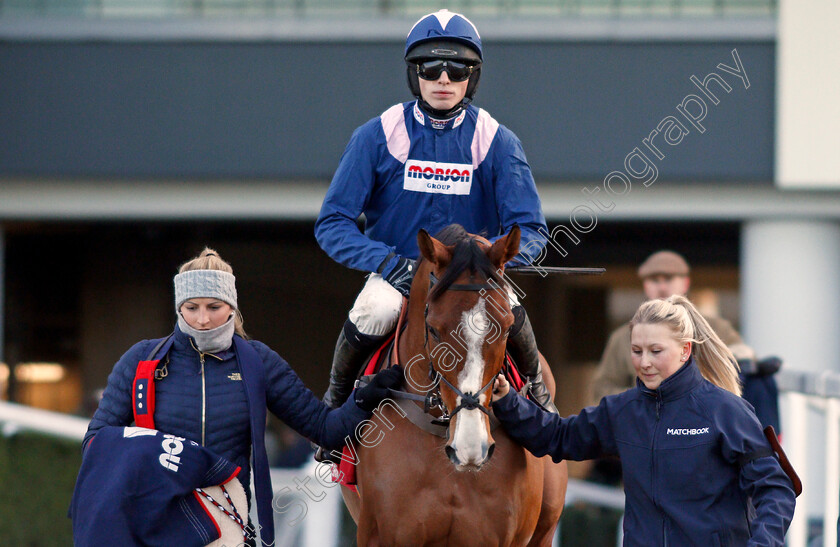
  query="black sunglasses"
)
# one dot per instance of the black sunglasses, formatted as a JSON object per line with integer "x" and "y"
{"x": 457, "y": 71}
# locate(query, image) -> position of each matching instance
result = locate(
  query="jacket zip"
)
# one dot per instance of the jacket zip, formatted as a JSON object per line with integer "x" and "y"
{"x": 203, "y": 388}
{"x": 653, "y": 465}
{"x": 203, "y": 398}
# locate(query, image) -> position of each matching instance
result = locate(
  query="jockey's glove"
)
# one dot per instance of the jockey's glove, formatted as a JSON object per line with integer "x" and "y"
{"x": 401, "y": 275}
{"x": 368, "y": 397}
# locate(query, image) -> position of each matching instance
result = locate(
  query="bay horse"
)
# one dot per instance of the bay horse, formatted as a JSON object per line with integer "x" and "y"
{"x": 417, "y": 488}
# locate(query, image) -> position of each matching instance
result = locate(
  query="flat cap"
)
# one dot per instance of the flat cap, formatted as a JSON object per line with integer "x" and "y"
{"x": 663, "y": 263}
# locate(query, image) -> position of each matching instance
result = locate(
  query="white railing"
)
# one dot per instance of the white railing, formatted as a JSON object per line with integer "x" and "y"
{"x": 14, "y": 418}
{"x": 801, "y": 392}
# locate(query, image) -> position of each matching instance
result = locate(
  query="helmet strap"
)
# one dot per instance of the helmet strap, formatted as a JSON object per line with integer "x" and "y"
{"x": 442, "y": 114}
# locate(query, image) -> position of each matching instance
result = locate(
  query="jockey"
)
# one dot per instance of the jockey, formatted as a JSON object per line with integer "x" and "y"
{"x": 427, "y": 163}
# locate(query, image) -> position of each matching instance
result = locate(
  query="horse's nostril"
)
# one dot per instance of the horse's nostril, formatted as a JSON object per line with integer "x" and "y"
{"x": 450, "y": 452}
{"x": 490, "y": 451}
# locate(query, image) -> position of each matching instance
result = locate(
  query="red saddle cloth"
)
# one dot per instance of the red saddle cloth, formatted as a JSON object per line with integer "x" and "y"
{"x": 345, "y": 472}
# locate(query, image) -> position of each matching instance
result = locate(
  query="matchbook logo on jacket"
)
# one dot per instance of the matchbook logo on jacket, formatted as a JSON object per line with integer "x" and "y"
{"x": 696, "y": 431}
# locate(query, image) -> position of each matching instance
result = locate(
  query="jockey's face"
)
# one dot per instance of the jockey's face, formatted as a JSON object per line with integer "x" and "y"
{"x": 656, "y": 354}
{"x": 663, "y": 286}
{"x": 443, "y": 93}
{"x": 205, "y": 313}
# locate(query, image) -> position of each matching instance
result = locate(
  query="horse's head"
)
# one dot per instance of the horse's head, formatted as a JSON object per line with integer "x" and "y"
{"x": 467, "y": 318}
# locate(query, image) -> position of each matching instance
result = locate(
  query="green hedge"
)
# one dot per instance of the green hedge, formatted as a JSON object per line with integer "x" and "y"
{"x": 584, "y": 525}
{"x": 37, "y": 474}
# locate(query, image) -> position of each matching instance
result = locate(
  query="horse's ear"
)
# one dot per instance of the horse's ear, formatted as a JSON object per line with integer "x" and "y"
{"x": 433, "y": 250}
{"x": 505, "y": 248}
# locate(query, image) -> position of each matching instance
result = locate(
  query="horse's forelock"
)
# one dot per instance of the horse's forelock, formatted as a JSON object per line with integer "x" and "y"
{"x": 467, "y": 256}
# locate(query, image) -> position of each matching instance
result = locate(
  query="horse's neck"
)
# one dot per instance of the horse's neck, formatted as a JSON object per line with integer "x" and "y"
{"x": 411, "y": 348}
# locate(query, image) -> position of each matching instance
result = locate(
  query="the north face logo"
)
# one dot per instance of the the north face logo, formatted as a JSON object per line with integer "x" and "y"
{"x": 438, "y": 178}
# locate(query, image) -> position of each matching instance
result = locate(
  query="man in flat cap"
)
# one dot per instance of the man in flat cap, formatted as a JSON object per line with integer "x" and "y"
{"x": 663, "y": 274}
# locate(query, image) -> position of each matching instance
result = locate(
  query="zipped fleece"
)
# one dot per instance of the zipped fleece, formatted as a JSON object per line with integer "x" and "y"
{"x": 694, "y": 458}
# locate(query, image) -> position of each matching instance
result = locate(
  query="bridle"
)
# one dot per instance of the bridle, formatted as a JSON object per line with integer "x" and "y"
{"x": 469, "y": 401}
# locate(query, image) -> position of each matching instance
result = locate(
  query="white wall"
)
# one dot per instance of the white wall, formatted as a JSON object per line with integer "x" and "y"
{"x": 808, "y": 94}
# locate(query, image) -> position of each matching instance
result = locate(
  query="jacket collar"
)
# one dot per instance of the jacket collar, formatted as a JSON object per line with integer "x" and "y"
{"x": 183, "y": 342}
{"x": 680, "y": 383}
{"x": 426, "y": 120}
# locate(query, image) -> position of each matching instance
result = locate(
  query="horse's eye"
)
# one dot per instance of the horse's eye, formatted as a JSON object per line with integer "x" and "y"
{"x": 434, "y": 334}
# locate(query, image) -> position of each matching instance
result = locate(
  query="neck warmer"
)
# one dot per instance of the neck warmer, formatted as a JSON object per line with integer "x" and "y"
{"x": 213, "y": 340}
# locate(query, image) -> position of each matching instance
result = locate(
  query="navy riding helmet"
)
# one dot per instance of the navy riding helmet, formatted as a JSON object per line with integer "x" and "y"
{"x": 447, "y": 36}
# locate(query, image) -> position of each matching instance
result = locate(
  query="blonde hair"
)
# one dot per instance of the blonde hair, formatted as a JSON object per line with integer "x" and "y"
{"x": 715, "y": 360}
{"x": 209, "y": 259}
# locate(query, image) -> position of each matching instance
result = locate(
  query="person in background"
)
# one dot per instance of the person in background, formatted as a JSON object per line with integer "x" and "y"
{"x": 664, "y": 273}
{"x": 698, "y": 470}
{"x": 212, "y": 385}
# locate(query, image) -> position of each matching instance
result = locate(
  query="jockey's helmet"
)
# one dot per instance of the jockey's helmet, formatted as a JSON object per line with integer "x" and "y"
{"x": 444, "y": 35}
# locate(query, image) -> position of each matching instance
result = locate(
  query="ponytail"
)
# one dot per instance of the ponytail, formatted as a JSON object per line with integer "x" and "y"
{"x": 713, "y": 358}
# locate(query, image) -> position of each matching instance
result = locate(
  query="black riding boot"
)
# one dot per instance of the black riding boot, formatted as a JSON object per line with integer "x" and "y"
{"x": 522, "y": 346}
{"x": 351, "y": 350}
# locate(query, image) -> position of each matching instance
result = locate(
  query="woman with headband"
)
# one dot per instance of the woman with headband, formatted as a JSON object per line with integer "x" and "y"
{"x": 208, "y": 383}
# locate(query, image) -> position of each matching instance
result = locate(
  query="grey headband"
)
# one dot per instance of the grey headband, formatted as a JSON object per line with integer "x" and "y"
{"x": 205, "y": 284}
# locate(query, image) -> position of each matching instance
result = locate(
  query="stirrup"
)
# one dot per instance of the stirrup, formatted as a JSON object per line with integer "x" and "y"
{"x": 540, "y": 396}
{"x": 323, "y": 455}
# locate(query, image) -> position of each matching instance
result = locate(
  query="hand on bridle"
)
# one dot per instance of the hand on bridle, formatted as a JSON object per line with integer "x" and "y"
{"x": 501, "y": 387}
{"x": 369, "y": 396}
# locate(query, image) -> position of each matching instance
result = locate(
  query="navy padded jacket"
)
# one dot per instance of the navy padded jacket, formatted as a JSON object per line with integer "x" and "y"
{"x": 698, "y": 470}
{"x": 219, "y": 418}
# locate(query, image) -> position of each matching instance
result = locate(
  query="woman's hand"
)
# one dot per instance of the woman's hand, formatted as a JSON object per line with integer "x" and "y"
{"x": 501, "y": 387}
{"x": 369, "y": 396}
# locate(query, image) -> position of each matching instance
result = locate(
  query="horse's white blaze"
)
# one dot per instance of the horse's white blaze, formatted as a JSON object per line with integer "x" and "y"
{"x": 470, "y": 438}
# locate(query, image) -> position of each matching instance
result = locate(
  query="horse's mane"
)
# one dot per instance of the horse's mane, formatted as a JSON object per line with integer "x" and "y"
{"x": 467, "y": 256}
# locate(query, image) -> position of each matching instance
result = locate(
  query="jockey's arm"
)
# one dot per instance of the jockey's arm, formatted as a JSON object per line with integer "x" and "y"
{"x": 336, "y": 230}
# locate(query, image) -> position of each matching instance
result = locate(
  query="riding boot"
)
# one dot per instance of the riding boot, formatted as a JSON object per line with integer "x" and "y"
{"x": 522, "y": 346}
{"x": 351, "y": 350}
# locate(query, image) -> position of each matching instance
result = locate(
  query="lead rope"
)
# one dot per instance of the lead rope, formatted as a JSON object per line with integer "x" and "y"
{"x": 235, "y": 516}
